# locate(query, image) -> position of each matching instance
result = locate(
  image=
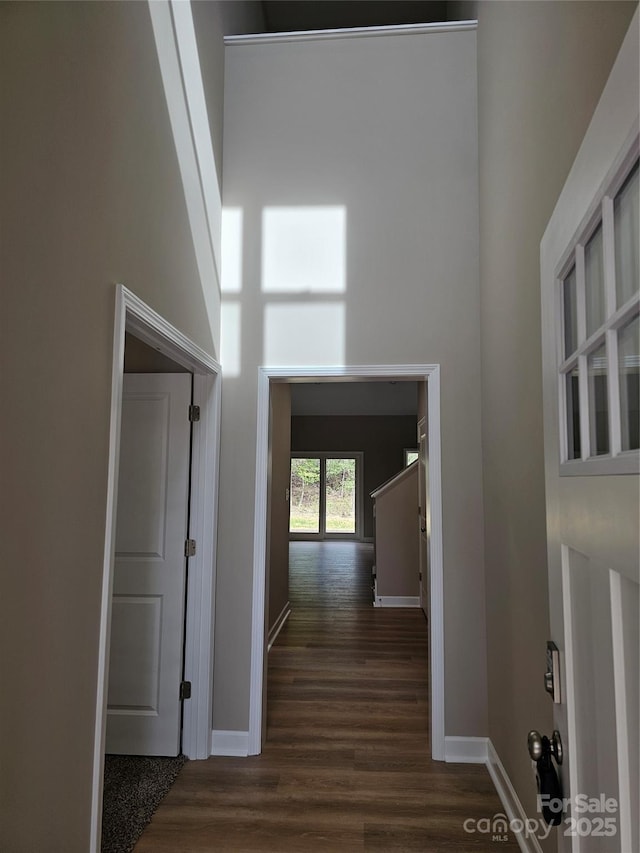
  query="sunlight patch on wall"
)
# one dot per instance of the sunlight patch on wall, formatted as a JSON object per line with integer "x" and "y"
{"x": 304, "y": 249}
{"x": 230, "y": 338}
{"x": 231, "y": 250}
{"x": 309, "y": 334}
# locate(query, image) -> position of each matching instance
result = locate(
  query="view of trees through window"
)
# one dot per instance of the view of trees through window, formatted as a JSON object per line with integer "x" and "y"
{"x": 305, "y": 496}
{"x": 323, "y": 495}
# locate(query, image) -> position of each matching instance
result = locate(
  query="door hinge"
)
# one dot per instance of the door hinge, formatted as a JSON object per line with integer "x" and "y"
{"x": 185, "y": 690}
{"x": 190, "y": 548}
{"x": 194, "y": 413}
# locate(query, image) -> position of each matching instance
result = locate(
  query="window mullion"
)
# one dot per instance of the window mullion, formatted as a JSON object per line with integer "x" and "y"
{"x": 322, "y": 521}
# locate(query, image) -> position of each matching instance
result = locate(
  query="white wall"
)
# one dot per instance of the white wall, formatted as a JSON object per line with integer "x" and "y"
{"x": 90, "y": 194}
{"x": 373, "y": 143}
{"x": 397, "y": 555}
{"x": 277, "y": 567}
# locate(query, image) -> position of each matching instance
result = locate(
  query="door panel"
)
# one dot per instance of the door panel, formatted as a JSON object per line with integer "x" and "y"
{"x": 142, "y": 502}
{"x": 625, "y": 613}
{"x": 135, "y": 633}
{"x": 591, "y": 706}
{"x": 145, "y": 667}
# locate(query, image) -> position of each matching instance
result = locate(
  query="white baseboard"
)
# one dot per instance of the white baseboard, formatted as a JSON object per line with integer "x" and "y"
{"x": 230, "y": 743}
{"x": 396, "y": 601}
{"x": 278, "y": 625}
{"x": 513, "y": 808}
{"x": 466, "y": 750}
{"x": 480, "y": 750}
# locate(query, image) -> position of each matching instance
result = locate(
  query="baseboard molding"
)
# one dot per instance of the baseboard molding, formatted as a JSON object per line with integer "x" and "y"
{"x": 229, "y": 743}
{"x": 396, "y": 601}
{"x": 278, "y": 625}
{"x": 513, "y": 808}
{"x": 466, "y": 750}
{"x": 480, "y": 750}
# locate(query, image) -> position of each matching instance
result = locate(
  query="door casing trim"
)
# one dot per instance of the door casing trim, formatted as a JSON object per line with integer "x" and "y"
{"x": 134, "y": 316}
{"x": 430, "y": 373}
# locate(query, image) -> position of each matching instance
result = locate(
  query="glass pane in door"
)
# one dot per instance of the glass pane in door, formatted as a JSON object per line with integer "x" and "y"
{"x": 304, "y": 505}
{"x": 626, "y": 230}
{"x": 572, "y": 398}
{"x": 598, "y": 402}
{"x": 570, "y": 303}
{"x": 594, "y": 282}
{"x": 629, "y": 374}
{"x": 340, "y": 496}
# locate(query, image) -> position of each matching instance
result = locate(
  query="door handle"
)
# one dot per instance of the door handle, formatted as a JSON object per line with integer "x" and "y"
{"x": 541, "y": 750}
{"x": 539, "y": 744}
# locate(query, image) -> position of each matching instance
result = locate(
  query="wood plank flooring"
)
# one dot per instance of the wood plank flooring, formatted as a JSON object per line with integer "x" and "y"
{"x": 346, "y": 763}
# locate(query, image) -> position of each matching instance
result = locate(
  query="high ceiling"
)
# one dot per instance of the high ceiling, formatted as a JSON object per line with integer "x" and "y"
{"x": 289, "y": 15}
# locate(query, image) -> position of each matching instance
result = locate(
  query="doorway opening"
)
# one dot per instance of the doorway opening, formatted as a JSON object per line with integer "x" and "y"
{"x": 146, "y": 650}
{"x": 268, "y": 381}
{"x": 133, "y": 316}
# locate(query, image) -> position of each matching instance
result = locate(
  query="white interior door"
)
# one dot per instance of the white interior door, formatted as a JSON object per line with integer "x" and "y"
{"x": 423, "y": 514}
{"x": 147, "y": 633}
{"x": 591, "y": 363}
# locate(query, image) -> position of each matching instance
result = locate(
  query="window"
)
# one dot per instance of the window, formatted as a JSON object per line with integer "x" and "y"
{"x": 599, "y": 303}
{"x": 410, "y": 455}
{"x": 325, "y": 494}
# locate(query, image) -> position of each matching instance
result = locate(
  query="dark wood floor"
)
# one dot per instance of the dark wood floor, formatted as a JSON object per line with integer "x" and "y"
{"x": 346, "y": 763}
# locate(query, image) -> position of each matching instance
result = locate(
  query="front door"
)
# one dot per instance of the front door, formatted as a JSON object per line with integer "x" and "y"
{"x": 147, "y": 621}
{"x": 591, "y": 363}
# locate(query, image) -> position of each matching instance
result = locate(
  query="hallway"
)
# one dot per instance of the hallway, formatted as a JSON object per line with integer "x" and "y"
{"x": 345, "y": 766}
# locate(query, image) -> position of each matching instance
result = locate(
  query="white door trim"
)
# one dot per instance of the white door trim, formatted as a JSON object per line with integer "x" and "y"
{"x": 415, "y": 372}
{"x": 134, "y": 316}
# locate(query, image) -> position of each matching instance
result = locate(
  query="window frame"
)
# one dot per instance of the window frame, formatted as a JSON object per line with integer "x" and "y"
{"x": 323, "y": 533}
{"x": 600, "y": 212}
